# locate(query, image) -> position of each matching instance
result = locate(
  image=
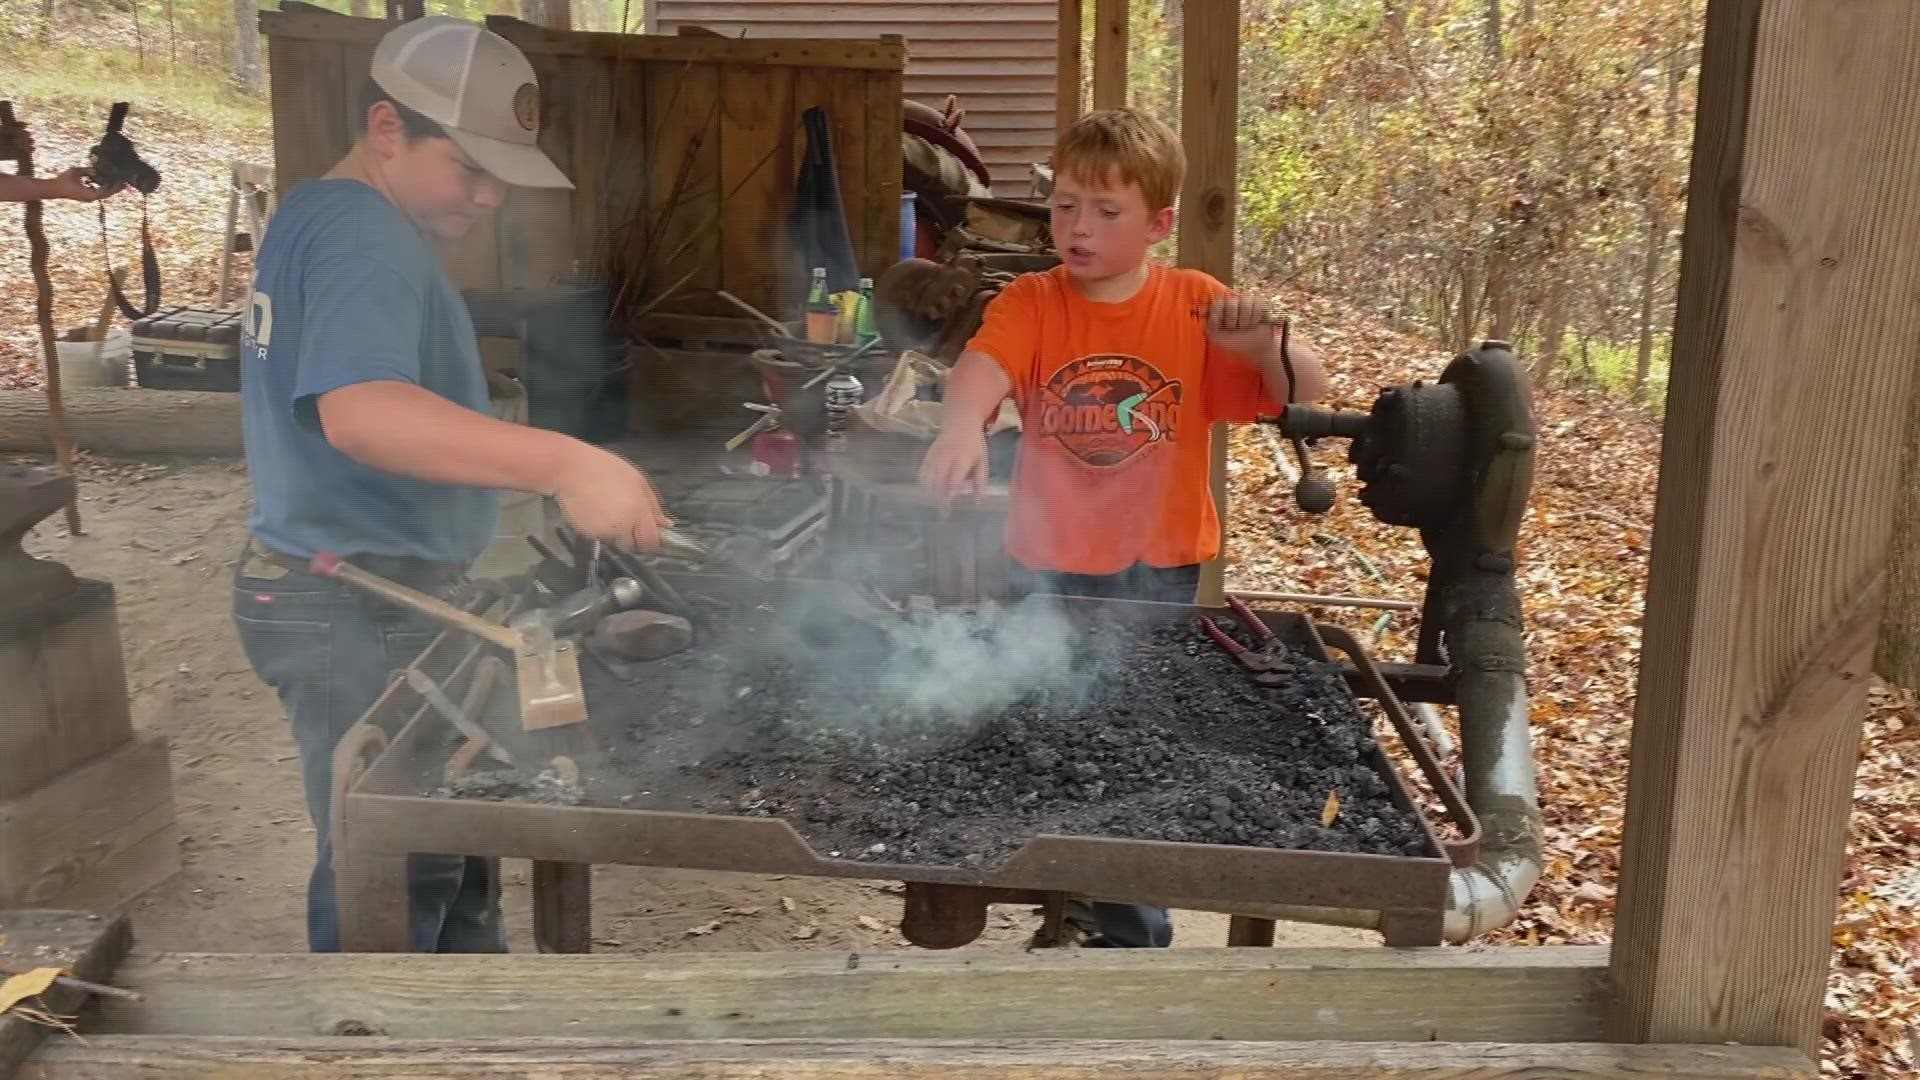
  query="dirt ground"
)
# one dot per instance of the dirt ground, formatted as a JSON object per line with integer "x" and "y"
{"x": 165, "y": 536}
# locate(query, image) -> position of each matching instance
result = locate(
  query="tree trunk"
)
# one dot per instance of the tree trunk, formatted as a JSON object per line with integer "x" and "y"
{"x": 139, "y": 39}
{"x": 246, "y": 46}
{"x": 123, "y": 422}
{"x": 1491, "y": 31}
{"x": 1898, "y": 661}
{"x": 46, "y": 22}
{"x": 1466, "y": 315}
{"x": 363, "y": 9}
{"x": 1649, "y": 281}
{"x": 1553, "y": 331}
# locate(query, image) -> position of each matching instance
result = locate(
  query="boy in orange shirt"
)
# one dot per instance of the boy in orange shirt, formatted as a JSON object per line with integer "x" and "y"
{"x": 1118, "y": 382}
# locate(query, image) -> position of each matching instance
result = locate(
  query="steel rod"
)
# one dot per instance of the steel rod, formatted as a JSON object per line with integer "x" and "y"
{"x": 1326, "y": 601}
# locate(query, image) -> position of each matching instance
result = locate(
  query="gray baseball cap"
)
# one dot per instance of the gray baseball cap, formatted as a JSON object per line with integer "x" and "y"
{"x": 476, "y": 85}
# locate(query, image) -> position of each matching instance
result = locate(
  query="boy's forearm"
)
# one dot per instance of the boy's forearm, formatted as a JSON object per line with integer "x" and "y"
{"x": 974, "y": 391}
{"x": 402, "y": 428}
{"x": 1309, "y": 374}
{"x": 25, "y": 189}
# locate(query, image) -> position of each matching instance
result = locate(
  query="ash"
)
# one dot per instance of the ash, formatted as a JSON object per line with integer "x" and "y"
{"x": 954, "y": 739}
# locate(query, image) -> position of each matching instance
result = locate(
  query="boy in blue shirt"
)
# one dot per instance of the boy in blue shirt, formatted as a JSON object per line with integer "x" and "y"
{"x": 367, "y": 427}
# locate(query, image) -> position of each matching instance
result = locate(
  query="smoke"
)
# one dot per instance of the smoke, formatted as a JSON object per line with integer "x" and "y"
{"x": 962, "y": 668}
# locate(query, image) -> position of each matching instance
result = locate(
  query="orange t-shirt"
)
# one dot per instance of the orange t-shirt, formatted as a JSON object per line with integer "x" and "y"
{"x": 1115, "y": 402}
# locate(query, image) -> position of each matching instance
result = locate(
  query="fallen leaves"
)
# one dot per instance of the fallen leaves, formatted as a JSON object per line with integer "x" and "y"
{"x": 1331, "y": 810}
{"x": 703, "y": 929}
{"x": 873, "y": 924}
{"x": 1586, "y": 542}
{"x": 806, "y": 933}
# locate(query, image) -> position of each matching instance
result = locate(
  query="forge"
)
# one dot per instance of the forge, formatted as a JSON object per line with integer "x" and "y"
{"x": 1137, "y": 763}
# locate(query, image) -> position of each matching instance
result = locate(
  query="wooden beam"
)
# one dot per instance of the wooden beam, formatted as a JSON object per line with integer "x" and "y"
{"x": 1209, "y": 106}
{"x": 348, "y": 1058}
{"x": 1110, "y": 54}
{"x": 84, "y": 945}
{"x": 1066, "y": 99}
{"x": 1792, "y": 369}
{"x": 1411, "y": 995}
{"x": 311, "y": 23}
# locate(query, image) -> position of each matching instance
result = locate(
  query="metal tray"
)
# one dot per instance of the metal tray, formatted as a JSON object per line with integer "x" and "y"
{"x": 381, "y": 816}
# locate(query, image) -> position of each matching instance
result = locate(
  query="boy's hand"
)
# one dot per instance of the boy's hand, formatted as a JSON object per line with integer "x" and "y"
{"x": 1241, "y": 326}
{"x": 955, "y": 464}
{"x": 74, "y": 184}
{"x": 604, "y": 497}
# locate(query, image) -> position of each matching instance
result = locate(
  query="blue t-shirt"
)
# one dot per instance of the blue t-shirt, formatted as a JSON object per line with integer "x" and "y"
{"x": 346, "y": 290}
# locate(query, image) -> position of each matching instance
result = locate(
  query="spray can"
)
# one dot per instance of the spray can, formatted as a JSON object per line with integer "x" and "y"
{"x": 843, "y": 393}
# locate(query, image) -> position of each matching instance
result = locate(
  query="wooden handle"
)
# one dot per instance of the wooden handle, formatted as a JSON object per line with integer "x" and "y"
{"x": 326, "y": 564}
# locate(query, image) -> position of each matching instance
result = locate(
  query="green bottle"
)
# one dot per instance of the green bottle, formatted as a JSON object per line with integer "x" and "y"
{"x": 818, "y": 295}
{"x": 863, "y": 329}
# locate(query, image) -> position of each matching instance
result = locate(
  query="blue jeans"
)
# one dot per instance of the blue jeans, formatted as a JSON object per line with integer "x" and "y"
{"x": 329, "y": 652}
{"x": 1118, "y": 926}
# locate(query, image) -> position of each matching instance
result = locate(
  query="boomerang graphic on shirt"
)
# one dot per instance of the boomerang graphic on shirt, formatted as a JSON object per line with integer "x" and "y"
{"x": 1105, "y": 409}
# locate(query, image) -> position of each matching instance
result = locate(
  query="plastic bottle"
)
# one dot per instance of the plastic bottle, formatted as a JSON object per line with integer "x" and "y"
{"x": 863, "y": 329}
{"x": 817, "y": 295}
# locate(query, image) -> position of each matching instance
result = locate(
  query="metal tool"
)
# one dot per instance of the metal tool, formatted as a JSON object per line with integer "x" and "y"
{"x": 579, "y": 613}
{"x": 546, "y": 668}
{"x": 424, "y": 685}
{"x": 1266, "y": 662}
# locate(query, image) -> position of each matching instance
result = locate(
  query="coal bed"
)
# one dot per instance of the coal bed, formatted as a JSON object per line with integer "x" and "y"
{"x": 954, "y": 737}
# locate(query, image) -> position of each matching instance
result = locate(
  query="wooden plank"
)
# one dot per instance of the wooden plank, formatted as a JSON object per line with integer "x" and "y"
{"x": 74, "y": 834}
{"x": 674, "y": 15}
{"x": 67, "y": 681}
{"x": 303, "y": 72}
{"x": 83, "y": 944}
{"x": 758, "y": 161}
{"x": 683, "y": 194}
{"x": 1506, "y": 995}
{"x": 631, "y": 48}
{"x": 592, "y": 143}
{"x": 939, "y": 27}
{"x": 937, "y": 87}
{"x": 159, "y": 1057}
{"x": 1796, "y": 313}
{"x": 885, "y": 108}
{"x": 1209, "y": 102}
{"x": 1110, "y": 54}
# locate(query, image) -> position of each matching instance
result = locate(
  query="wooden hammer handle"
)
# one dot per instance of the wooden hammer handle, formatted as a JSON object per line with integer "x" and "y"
{"x": 326, "y": 564}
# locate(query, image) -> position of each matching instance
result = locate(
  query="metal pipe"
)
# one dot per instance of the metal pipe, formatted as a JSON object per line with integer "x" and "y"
{"x": 1480, "y": 611}
{"x": 1317, "y": 600}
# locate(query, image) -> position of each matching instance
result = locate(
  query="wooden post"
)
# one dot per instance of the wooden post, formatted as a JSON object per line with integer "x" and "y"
{"x": 1209, "y": 106}
{"x": 1792, "y": 371}
{"x": 1066, "y": 93}
{"x": 1110, "y": 54}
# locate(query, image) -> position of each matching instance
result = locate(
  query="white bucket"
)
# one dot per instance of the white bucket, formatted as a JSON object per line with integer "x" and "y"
{"x": 79, "y": 365}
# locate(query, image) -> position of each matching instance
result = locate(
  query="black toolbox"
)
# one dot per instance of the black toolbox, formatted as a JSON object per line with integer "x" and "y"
{"x": 187, "y": 348}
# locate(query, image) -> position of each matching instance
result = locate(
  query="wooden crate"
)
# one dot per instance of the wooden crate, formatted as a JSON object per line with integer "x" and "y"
{"x": 623, "y": 115}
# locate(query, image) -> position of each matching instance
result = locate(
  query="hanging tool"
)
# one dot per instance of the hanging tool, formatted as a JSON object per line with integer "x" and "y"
{"x": 43, "y": 306}
{"x": 1266, "y": 663}
{"x": 546, "y": 668}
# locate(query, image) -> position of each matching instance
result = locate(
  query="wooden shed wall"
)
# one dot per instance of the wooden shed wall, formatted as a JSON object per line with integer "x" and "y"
{"x": 998, "y": 57}
{"x": 631, "y": 119}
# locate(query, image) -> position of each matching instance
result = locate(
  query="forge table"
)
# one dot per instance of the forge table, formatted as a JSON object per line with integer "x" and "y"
{"x": 380, "y": 816}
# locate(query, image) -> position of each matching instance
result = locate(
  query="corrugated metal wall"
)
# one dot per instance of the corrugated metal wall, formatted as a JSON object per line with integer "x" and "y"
{"x": 998, "y": 57}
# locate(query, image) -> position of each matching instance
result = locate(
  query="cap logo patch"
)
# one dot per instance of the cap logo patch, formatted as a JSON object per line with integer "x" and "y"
{"x": 526, "y": 106}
